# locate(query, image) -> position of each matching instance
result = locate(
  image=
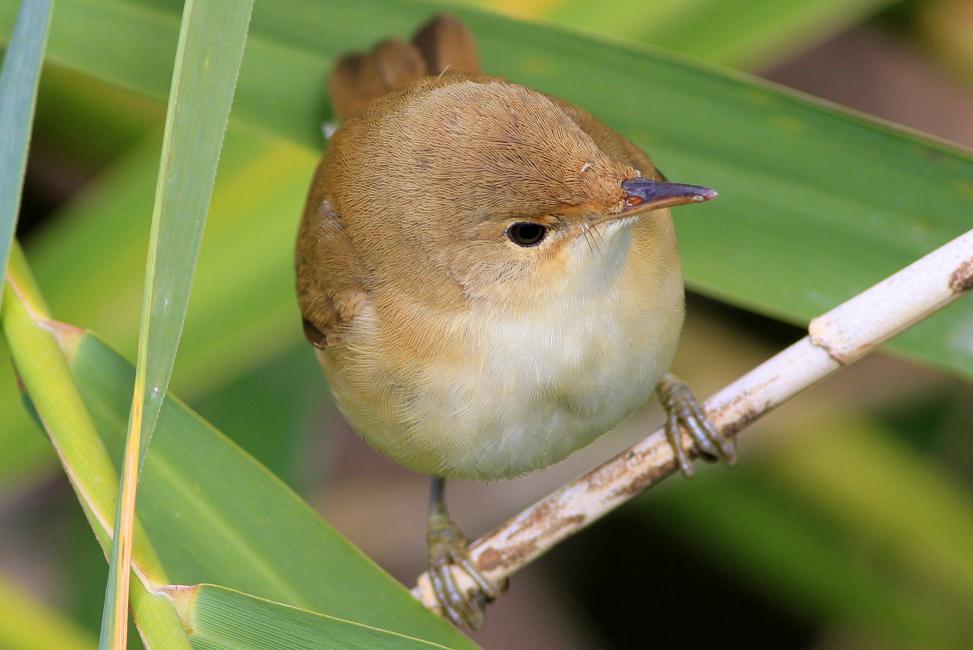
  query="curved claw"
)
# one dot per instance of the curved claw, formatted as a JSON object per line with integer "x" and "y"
{"x": 458, "y": 606}
{"x": 446, "y": 593}
{"x": 685, "y": 411}
{"x": 725, "y": 445}
{"x": 699, "y": 432}
{"x": 674, "y": 437}
{"x": 447, "y": 552}
{"x": 490, "y": 590}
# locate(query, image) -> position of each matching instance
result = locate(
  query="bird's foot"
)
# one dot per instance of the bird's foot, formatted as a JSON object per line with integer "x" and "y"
{"x": 448, "y": 550}
{"x": 685, "y": 411}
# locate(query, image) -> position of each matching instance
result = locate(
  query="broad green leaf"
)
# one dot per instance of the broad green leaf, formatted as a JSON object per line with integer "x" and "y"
{"x": 748, "y": 33}
{"x": 205, "y": 71}
{"x": 741, "y": 33}
{"x": 18, "y": 93}
{"x": 54, "y": 395}
{"x": 816, "y": 203}
{"x": 28, "y": 625}
{"x": 281, "y": 396}
{"x": 217, "y": 618}
{"x": 240, "y": 527}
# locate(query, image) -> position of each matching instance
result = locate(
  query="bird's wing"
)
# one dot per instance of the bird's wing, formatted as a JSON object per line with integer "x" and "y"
{"x": 331, "y": 287}
{"x": 444, "y": 43}
{"x": 331, "y": 283}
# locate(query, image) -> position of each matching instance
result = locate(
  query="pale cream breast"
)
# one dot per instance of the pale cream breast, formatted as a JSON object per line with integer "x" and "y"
{"x": 487, "y": 395}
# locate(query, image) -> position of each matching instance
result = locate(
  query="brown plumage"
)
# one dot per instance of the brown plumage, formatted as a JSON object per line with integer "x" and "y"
{"x": 478, "y": 264}
{"x": 330, "y": 277}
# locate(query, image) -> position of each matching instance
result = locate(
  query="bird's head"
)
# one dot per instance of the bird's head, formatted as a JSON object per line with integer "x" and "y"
{"x": 486, "y": 190}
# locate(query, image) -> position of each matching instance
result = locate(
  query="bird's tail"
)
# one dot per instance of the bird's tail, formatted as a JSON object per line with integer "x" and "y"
{"x": 443, "y": 43}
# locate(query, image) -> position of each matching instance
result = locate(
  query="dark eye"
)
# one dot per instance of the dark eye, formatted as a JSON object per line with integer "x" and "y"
{"x": 525, "y": 233}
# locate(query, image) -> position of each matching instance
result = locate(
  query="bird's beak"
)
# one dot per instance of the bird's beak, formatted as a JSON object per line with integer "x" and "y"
{"x": 643, "y": 195}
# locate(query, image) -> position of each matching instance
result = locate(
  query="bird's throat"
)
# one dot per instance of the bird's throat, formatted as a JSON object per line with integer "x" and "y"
{"x": 597, "y": 257}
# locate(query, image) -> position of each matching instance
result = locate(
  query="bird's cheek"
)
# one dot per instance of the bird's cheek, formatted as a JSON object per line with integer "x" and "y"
{"x": 548, "y": 265}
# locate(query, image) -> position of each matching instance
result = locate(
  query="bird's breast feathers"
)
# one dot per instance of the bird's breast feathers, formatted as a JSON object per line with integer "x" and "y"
{"x": 478, "y": 394}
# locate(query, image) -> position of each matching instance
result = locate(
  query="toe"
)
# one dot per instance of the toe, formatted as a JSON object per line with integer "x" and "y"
{"x": 489, "y": 589}
{"x": 724, "y": 446}
{"x": 700, "y": 434}
{"x": 674, "y": 437}
{"x": 469, "y": 606}
{"x": 443, "y": 595}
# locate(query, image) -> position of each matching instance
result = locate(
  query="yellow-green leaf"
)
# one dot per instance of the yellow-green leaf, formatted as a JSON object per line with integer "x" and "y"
{"x": 217, "y": 618}
{"x": 203, "y": 81}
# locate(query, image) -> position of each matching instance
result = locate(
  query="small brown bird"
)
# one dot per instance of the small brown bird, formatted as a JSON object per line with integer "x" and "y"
{"x": 489, "y": 275}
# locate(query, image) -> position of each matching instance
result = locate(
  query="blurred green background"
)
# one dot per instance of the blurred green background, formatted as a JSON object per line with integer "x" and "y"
{"x": 848, "y": 522}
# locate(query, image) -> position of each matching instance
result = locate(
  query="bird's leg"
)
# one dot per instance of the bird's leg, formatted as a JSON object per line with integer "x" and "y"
{"x": 684, "y": 411}
{"x": 448, "y": 549}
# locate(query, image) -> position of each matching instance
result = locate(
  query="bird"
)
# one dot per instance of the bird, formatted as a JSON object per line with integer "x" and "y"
{"x": 490, "y": 277}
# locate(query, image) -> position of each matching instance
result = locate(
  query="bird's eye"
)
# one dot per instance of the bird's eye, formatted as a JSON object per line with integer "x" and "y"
{"x": 526, "y": 234}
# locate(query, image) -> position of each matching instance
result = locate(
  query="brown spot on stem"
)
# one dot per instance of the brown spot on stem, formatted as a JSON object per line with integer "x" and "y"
{"x": 607, "y": 473}
{"x": 746, "y": 416}
{"x": 573, "y": 520}
{"x": 643, "y": 480}
{"x": 494, "y": 558}
{"x": 537, "y": 518}
{"x": 735, "y": 419}
{"x": 961, "y": 279}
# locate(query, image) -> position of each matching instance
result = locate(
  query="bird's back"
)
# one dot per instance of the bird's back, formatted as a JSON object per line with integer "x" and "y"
{"x": 330, "y": 278}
